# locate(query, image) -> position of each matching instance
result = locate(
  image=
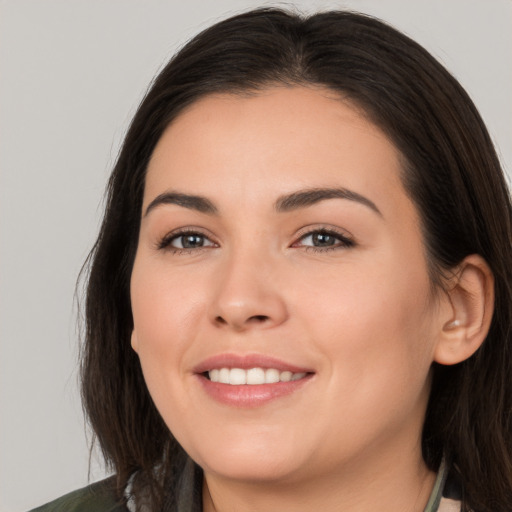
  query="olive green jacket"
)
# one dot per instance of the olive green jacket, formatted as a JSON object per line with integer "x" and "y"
{"x": 97, "y": 497}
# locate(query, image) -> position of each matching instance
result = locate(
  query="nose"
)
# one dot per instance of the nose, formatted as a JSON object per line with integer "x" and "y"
{"x": 247, "y": 295}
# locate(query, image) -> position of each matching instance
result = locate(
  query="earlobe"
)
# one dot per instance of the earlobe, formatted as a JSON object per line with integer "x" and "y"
{"x": 134, "y": 341}
{"x": 471, "y": 298}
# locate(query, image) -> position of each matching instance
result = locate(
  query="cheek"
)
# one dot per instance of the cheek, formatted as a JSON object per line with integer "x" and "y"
{"x": 376, "y": 346}
{"x": 164, "y": 304}
{"x": 373, "y": 326}
{"x": 165, "y": 311}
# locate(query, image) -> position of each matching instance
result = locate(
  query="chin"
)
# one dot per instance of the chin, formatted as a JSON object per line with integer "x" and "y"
{"x": 250, "y": 461}
{"x": 260, "y": 468}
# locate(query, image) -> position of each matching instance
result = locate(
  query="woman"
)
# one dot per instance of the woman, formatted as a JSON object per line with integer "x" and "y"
{"x": 300, "y": 294}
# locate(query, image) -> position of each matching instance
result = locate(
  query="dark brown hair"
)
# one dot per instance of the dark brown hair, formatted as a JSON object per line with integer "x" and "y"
{"x": 451, "y": 172}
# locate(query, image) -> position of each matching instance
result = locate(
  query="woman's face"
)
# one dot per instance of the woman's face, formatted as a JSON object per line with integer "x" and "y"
{"x": 279, "y": 246}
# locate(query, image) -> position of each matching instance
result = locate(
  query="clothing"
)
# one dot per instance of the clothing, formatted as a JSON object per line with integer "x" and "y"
{"x": 97, "y": 497}
{"x": 100, "y": 496}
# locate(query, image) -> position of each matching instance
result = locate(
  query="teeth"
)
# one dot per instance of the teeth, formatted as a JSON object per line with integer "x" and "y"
{"x": 256, "y": 376}
{"x": 271, "y": 376}
{"x": 238, "y": 376}
{"x": 224, "y": 375}
{"x": 287, "y": 376}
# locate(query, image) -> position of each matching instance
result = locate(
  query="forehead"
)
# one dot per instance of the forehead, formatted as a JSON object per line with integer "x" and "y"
{"x": 274, "y": 141}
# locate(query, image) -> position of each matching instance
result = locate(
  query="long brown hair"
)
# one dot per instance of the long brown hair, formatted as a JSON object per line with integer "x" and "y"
{"x": 450, "y": 170}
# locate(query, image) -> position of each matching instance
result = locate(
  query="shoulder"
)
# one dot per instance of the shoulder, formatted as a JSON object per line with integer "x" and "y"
{"x": 97, "y": 497}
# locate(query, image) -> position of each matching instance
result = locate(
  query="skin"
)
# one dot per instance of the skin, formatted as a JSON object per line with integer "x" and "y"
{"x": 361, "y": 315}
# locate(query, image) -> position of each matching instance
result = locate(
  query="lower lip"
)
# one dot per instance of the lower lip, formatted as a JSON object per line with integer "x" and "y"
{"x": 250, "y": 395}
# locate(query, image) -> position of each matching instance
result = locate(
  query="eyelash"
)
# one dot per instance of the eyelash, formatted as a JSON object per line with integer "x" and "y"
{"x": 343, "y": 241}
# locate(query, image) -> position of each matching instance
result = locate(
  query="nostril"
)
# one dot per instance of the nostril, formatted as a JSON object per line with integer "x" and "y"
{"x": 241, "y": 323}
{"x": 258, "y": 318}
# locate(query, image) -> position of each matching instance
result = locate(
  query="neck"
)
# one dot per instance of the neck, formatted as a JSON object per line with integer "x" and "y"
{"x": 402, "y": 483}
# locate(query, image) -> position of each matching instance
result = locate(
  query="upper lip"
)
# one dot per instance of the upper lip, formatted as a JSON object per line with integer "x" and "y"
{"x": 246, "y": 362}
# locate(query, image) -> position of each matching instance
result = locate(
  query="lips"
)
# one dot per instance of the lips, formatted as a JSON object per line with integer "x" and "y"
{"x": 249, "y": 380}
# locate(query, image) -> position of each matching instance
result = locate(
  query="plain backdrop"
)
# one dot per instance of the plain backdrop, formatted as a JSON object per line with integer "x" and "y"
{"x": 71, "y": 75}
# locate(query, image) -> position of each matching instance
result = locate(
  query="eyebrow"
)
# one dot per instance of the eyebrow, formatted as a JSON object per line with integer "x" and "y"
{"x": 286, "y": 203}
{"x": 199, "y": 203}
{"x": 309, "y": 197}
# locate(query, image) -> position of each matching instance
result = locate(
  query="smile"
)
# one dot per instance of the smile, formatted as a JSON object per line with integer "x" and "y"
{"x": 250, "y": 380}
{"x": 252, "y": 376}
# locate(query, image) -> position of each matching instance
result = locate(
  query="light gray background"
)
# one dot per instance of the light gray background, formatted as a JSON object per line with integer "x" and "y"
{"x": 71, "y": 76}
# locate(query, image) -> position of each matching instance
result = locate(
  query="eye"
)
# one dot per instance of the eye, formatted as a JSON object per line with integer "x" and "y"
{"x": 185, "y": 241}
{"x": 190, "y": 241}
{"x": 324, "y": 240}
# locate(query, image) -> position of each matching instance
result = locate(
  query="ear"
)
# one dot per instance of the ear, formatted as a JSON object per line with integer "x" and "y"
{"x": 134, "y": 342}
{"x": 471, "y": 304}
